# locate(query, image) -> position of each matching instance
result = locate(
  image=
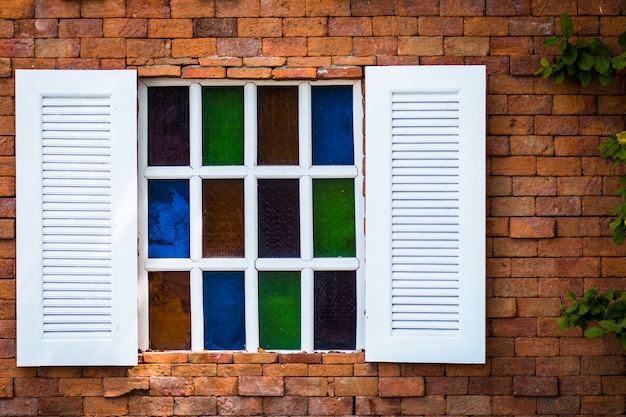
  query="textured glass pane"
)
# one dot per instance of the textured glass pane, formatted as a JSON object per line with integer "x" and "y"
{"x": 170, "y": 315}
{"x": 332, "y": 125}
{"x": 334, "y": 301}
{"x": 168, "y": 219}
{"x": 277, "y": 125}
{"x": 222, "y": 218}
{"x": 168, "y": 126}
{"x": 279, "y": 218}
{"x": 333, "y": 217}
{"x": 224, "y": 326}
{"x": 279, "y": 310}
{"x": 222, "y": 125}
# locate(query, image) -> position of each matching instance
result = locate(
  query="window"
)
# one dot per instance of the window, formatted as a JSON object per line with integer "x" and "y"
{"x": 251, "y": 225}
{"x": 253, "y": 229}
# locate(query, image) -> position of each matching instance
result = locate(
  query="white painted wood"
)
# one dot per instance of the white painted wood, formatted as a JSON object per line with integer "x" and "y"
{"x": 425, "y": 208}
{"x": 76, "y": 217}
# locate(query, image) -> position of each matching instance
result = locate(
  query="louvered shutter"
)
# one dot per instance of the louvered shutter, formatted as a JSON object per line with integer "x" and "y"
{"x": 425, "y": 214}
{"x": 76, "y": 159}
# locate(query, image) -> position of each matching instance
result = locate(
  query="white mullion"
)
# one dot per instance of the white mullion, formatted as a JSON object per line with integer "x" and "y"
{"x": 197, "y": 310}
{"x": 195, "y": 125}
{"x": 195, "y": 218}
{"x": 142, "y": 224}
{"x": 359, "y": 212}
{"x": 195, "y": 183}
{"x": 250, "y": 213}
{"x": 306, "y": 309}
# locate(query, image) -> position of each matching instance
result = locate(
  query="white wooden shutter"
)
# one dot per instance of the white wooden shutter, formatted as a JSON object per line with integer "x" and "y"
{"x": 425, "y": 214}
{"x": 76, "y": 181}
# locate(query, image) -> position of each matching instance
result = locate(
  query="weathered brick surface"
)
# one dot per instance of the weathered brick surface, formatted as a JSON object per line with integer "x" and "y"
{"x": 549, "y": 200}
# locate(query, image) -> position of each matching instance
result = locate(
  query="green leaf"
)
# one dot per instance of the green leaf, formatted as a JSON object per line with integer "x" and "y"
{"x": 567, "y": 25}
{"x": 585, "y": 77}
{"x": 545, "y": 63}
{"x": 610, "y": 326}
{"x": 619, "y": 62}
{"x": 621, "y": 40}
{"x": 595, "y": 332}
{"x": 559, "y": 76}
{"x": 546, "y": 72}
{"x": 606, "y": 79}
{"x": 570, "y": 54}
{"x": 622, "y": 340}
{"x": 551, "y": 41}
{"x": 563, "y": 322}
{"x": 601, "y": 64}
{"x": 619, "y": 233}
{"x": 598, "y": 47}
{"x": 570, "y": 295}
{"x": 585, "y": 60}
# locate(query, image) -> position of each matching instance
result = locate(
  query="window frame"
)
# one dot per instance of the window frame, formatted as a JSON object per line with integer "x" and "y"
{"x": 195, "y": 264}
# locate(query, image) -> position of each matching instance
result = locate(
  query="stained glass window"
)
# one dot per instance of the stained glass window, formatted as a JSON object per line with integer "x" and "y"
{"x": 251, "y": 232}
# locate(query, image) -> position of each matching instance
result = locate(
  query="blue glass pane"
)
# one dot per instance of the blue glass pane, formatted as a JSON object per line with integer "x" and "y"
{"x": 332, "y": 125}
{"x": 224, "y": 310}
{"x": 168, "y": 219}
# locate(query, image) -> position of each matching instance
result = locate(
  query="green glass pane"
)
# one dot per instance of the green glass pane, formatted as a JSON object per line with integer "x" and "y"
{"x": 279, "y": 310}
{"x": 222, "y": 125}
{"x": 333, "y": 217}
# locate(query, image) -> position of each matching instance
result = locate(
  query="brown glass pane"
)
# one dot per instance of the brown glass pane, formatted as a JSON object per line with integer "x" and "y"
{"x": 170, "y": 315}
{"x": 222, "y": 218}
{"x": 277, "y": 123}
{"x": 279, "y": 218}
{"x": 168, "y": 126}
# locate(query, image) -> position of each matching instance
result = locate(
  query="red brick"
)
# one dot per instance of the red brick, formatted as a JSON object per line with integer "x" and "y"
{"x": 375, "y": 46}
{"x": 394, "y": 26}
{"x": 430, "y": 405}
{"x": 506, "y": 46}
{"x": 559, "y": 206}
{"x": 218, "y": 386}
{"x": 163, "y": 386}
{"x": 309, "y": 26}
{"x": 560, "y": 166}
{"x": 446, "y": 385}
{"x": 558, "y": 366}
{"x": 159, "y": 71}
{"x": 530, "y": 26}
{"x": 80, "y": 28}
{"x": 125, "y": 28}
{"x": 57, "y": 406}
{"x": 600, "y": 125}
{"x": 466, "y": 46}
{"x": 532, "y": 227}
{"x": 581, "y": 346}
{"x": 498, "y": 186}
{"x": 511, "y": 125}
{"x": 152, "y": 406}
{"x": 601, "y": 365}
{"x": 614, "y": 385}
{"x": 170, "y": 28}
{"x": 607, "y": 405}
{"x": 330, "y": 406}
{"x": 36, "y": 28}
{"x": 462, "y": 8}
{"x": 105, "y": 406}
{"x": 578, "y": 267}
{"x": 86, "y": 387}
{"x": 534, "y": 386}
{"x": 56, "y": 48}
{"x": 556, "y": 125}
{"x": 501, "y": 307}
{"x": 340, "y": 73}
{"x": 116, "y": 387}
{"x": 485, "y": 26}
{"x": 534, "y": 186}
{"x": 350, "y": 26}
{"x": 440, "y": 26}
{"x": 558, "y": 405}
{"x": 251, "y": 73}
{"x": 514, "y": 327}
{"x": 578, "y": 226}
{"x": 420, "y": 46}
{"x": 153, "y": 48}
{"x": 490, "y": 385}
{"x": 512, "y": 206}
{"x": 355, "y": 386}
{"x": 36, "y": 387}
{"x": 329, "y": 46}
{"x": 512, "y": 405}
{"x": 513, "y": 165}
{"x": 17, "y": 47}
{"x": 265, "y": 386}
{"x": 147, "y": 8}
{"x": 468, "y": 404}
{"x": 306, "y": 387}
{"x": 284, "y": 406}
{"x": 239, "y": 47}
{"x": 203, "y": 72}
{"x": 377, "y": 406}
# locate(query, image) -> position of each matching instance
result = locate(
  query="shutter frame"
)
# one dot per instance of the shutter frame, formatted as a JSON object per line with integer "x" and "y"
{"x": 63, "y": 332}
{"x": 383, "y": 342}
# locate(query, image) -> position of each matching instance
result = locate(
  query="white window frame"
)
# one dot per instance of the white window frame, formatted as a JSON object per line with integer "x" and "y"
{"x": 250, "y": 172}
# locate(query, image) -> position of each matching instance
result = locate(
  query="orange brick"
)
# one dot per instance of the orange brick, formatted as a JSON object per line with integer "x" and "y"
{"x": 600, "y": 125}
{"x": 80, "y": 28}
{"x": 511, "y": 46}
{"x": 330, "y": 406}
{"x": 159, "y": 71}
{"x": 377, "y": 406}
{"x": 529, "y": 104}
{"x": 195, "y": 406}
{"x": 558, "y": 365}
{"x": 300, "y": 62}
{"x": 60, "y": 406}
{"x": 220, "y": 61}
{"x": 203, "y": 72}
{"x": 355, "y": 386}
{"x": 239, "y": 369}
{"x": 330, "y": 370}
{"x": 498, "y": 267}
{"x": 534, "y": 186}
{"x": 165, "y": 386}
{"x": 103, "y": 48}
{"x": 514, "y": 165}
{"x": 97, "y": 8}
{"x": 462, "y": 8}
{"x": 466, "y": 46}
{"x": 498, "y": 186}
{"x": 285, "y": 8}
{"x": 285, "y": 369}
{"x": 440, "y": 26}
{"x": 469, "y": 404}
{"x": 192, "y": 8}
{"x": 116, "y": 387}
{"x": 153, "y": 48}
{"x": 306, "y": 387}
{"x": 56, "y": 48}
{"x": 515, "y": 327}
{"x": 420, "y": 46}
{"x": 327, "y": 8}
{"x": 83, "y": 387}
{"x": 579, "y": 186}
{"x": 242, "y": 8}
{"x": 578, "y": 267}
{"x": 401, "y": 386}
{"x": 559, "y": 206}
{"x": 375, "y": 46}
{"x": 538, "y": 307}
{"x": 559, "y": 166}
{"x": 533, "y": 267}
{"x": 493, "y": 385}
{"x": 35, "y": 28}
{"x": 56, "y": 9}
{"x": 241, "y": 406}
{"x": 309, "y": 26}
{"x": 285, "y": 46}
{"x": 266, "y": 386}
{"x": 512, "y": 206}
{"x": 239, "y": 47}
{"x": 17, "y": 47}
{"x": 147, "y": 8}
{"x": 486, "y": 26}
{"x": 125, "y": 28}
{"x": 272, "y": 61}
{"x": 195, "y": 48}
{"x": 446, "y": 385}
{"x": 504, "y": 247}
{"x": 216, "y": 386}
{"x": 394, "y": 26}
{"x": 252, "y": 73}
{"x": 511, "y": 125}
{"x": 170, "y": 28}
{"x": 152, "y": 406}
{"x": 294, "y": 73}
{"x": 501, "y": 307}
{"x": 261, "y": 27}
{"x": 510, "y": 405}
{"x": 350, "y": 26}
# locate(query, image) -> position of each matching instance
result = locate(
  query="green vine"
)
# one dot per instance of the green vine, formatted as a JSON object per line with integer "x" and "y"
{"x": 608, "y": 310}
{"x": 581, "y": 60}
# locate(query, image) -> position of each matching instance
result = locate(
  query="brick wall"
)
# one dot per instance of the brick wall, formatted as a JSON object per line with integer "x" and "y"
{"x": 549, "y": 200}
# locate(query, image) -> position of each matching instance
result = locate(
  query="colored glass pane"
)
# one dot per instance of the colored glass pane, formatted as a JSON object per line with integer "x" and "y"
{"x": 279, "y": 218}
{"x": 331, "y": 112}
{"x": 222, "y": 218}
{"x": 224, "y": 308}
{"x": 168, "y": 126}
{"x": 334, "y": 310}
{"x": 222, "y": 125}
{"x": 279, "y": 310}
{"x": 168, "y": 219}
{"x": 169, "y": 310}
{"x": 277, "y": 125}
{"x": 333, "y": 217}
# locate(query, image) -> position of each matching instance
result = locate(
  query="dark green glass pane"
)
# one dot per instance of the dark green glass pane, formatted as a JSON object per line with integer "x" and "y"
{"x": 333, "y": 217}
{"x": 222, "y": 218}
{"x": 224, "y": 310}
{"x": 334, "y": 304}
{"x": 279, "y": 310}
{"x": 279, "y": 218}
{"x": 277, "y": 125}
{"x": 170, "y": 313}
{"x": 168, "y": 126}
{"x": 222, "y": 125}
